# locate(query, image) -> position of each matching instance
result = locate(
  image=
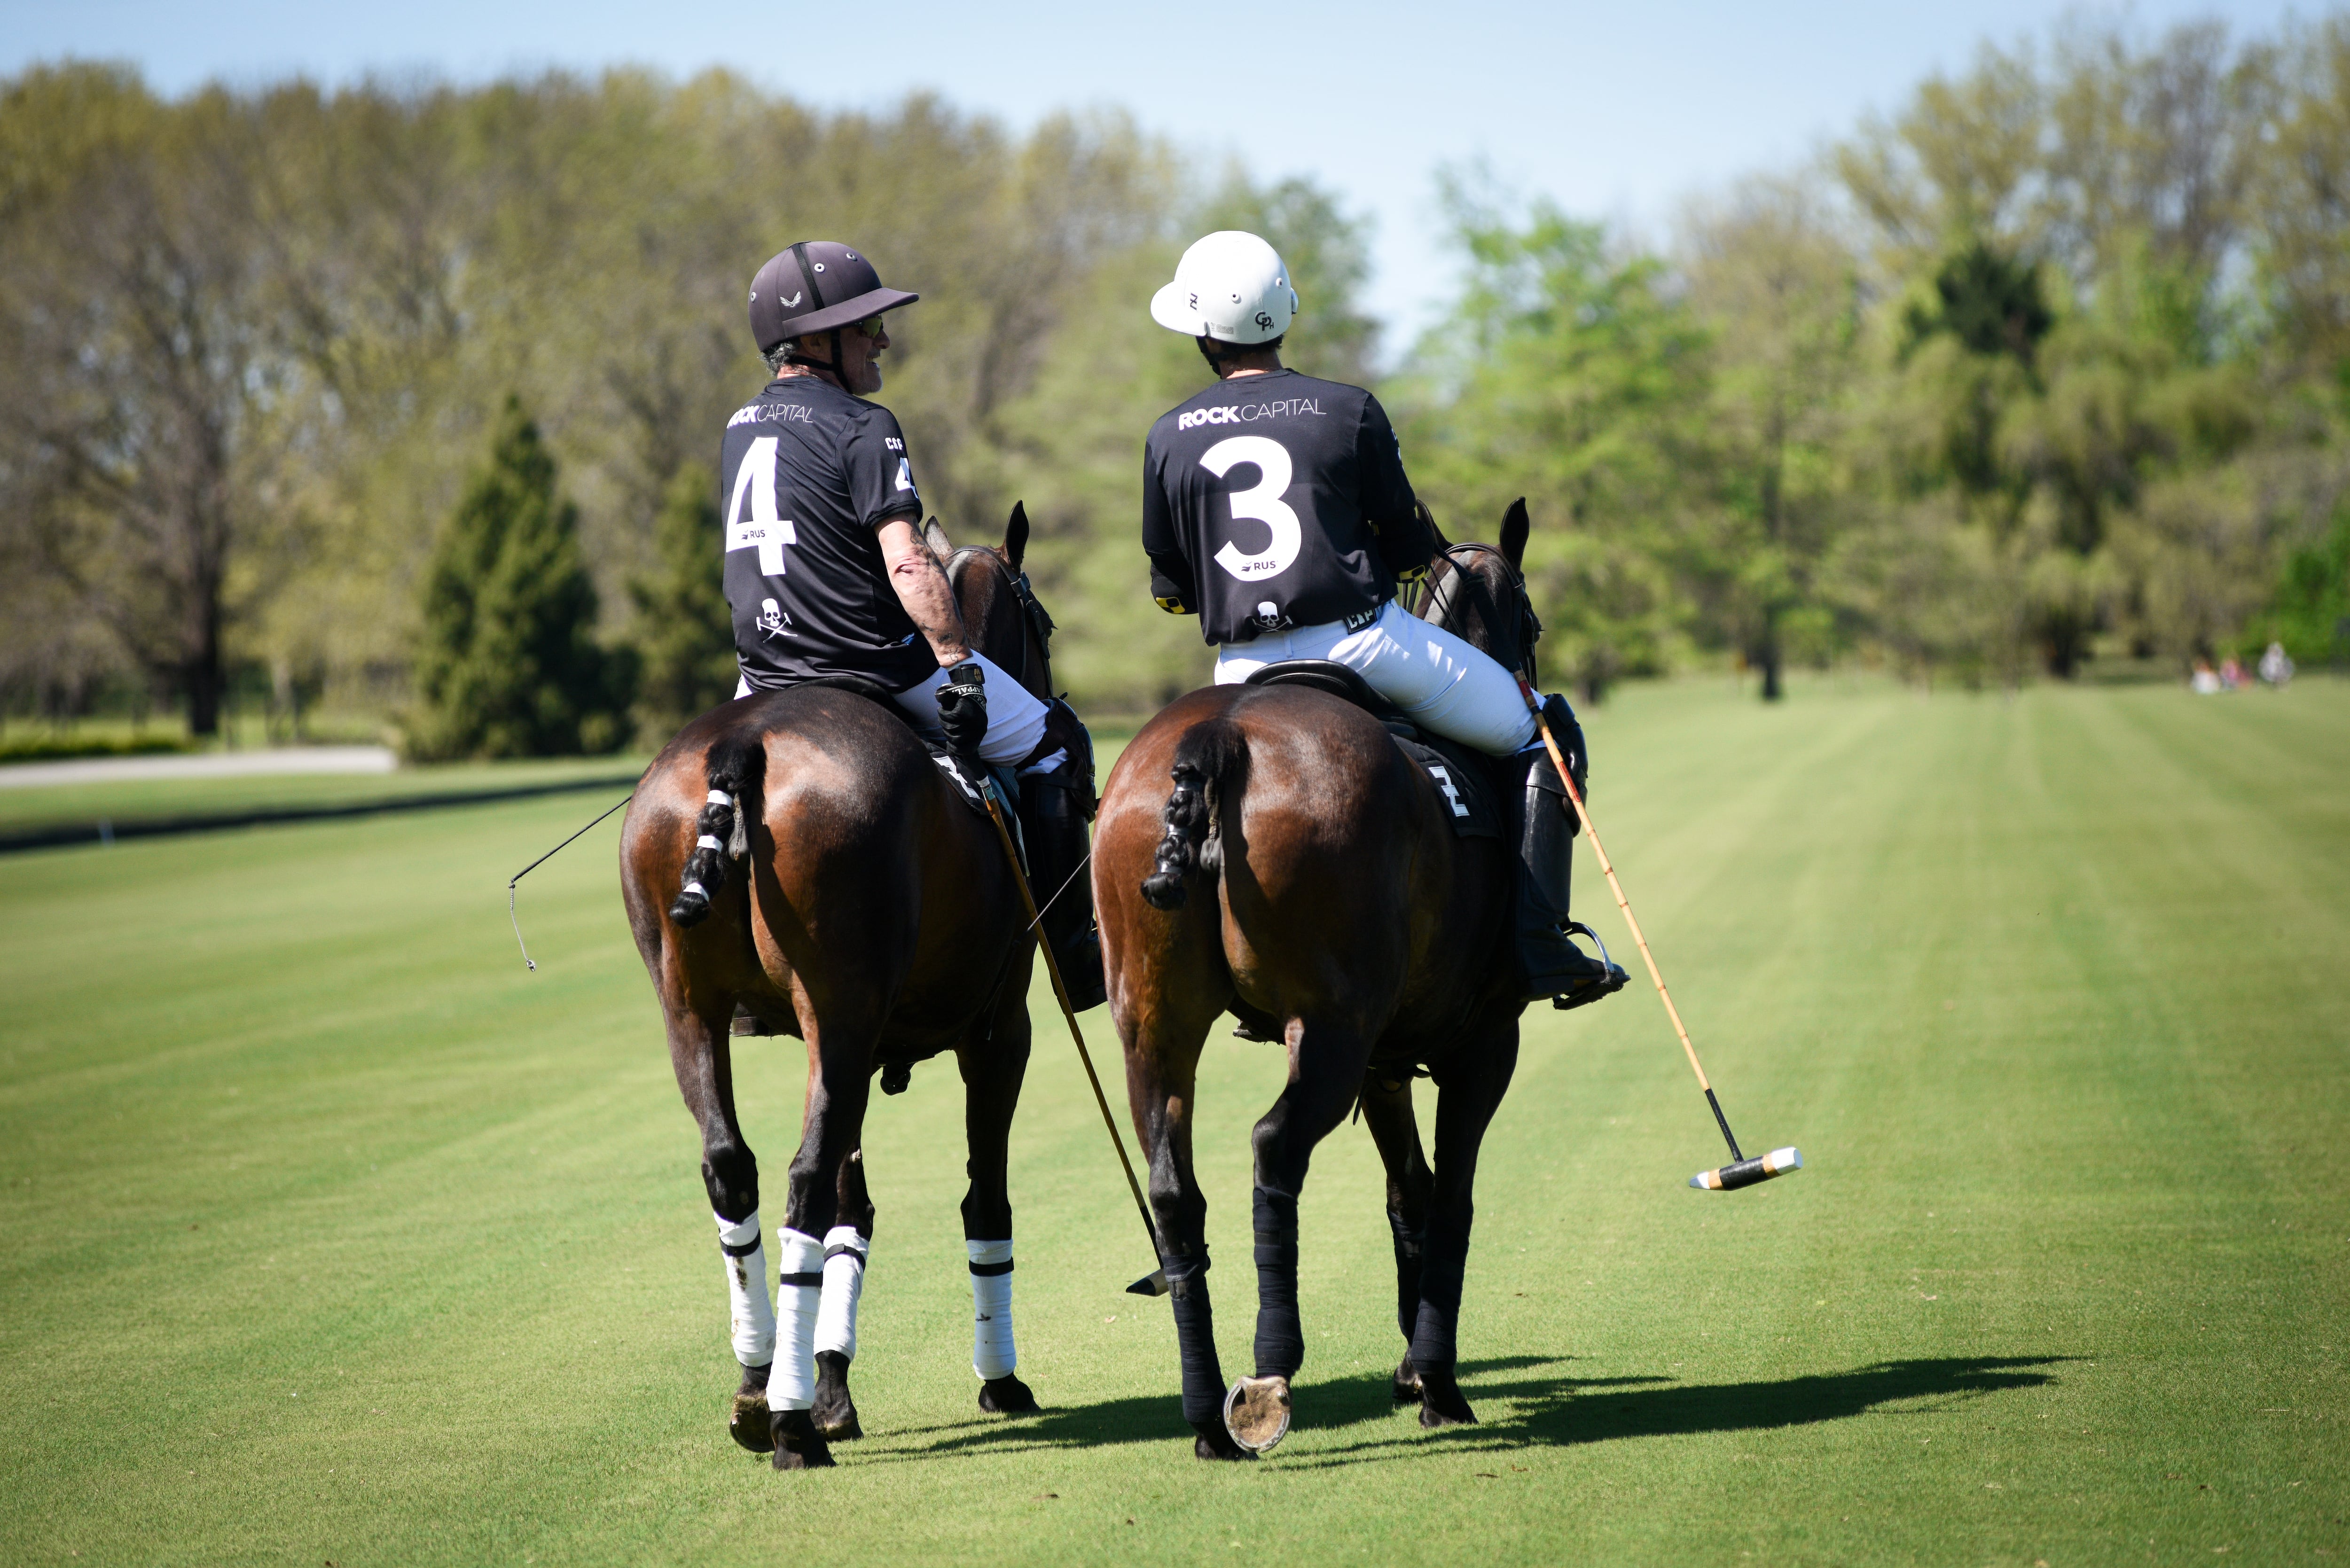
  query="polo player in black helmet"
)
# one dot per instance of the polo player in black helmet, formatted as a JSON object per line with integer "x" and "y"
{"x": 826, "y": 569}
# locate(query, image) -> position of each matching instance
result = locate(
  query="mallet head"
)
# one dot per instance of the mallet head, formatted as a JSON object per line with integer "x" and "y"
{"x": 1747, "y": 1172}
{"x": 1153, "y": 1284}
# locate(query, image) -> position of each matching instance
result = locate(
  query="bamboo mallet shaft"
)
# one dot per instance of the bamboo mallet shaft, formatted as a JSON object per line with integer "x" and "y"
{"x": 1061, "y": 995}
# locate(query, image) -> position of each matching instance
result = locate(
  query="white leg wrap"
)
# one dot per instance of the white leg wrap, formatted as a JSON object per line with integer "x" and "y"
{"x": 792, "y": 1385}
{"x": 844, "y": 1281}
{"x": 991, "y": 1355}
{"x": 746, "y": 1287}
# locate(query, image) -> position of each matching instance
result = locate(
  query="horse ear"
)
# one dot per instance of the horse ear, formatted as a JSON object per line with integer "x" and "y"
{"x": 936, "y": 538}
{"x": 1015, "y": 534}
{"x": 1515, "y": 527}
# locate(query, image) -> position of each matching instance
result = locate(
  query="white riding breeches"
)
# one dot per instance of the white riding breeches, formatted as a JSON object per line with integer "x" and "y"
{"x": 1015, "y": 716}
{"x": 1442, "y": 683}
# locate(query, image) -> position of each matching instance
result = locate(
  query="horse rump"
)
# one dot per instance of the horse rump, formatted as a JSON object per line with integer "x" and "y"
{"x": 1213, "y": 752}
{"x": 735, "y": 766}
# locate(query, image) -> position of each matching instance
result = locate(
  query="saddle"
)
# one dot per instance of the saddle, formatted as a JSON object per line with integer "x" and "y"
{"x": 951, "y": 766}
{"x": 1465, "y": 777}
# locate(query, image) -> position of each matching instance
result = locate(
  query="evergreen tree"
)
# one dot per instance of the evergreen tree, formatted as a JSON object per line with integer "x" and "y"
{"x": 509, "y": 665}
{"x": 684, "y": 632}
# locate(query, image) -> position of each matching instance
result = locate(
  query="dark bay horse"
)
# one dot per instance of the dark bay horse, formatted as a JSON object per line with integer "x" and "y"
{"x": 851, "y": 899}
{"x": 1304, "y": 875}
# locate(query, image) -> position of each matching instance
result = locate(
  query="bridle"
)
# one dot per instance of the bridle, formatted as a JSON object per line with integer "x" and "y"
{"x": 1034, "y": 620}
{"x": 1432, "y": 595}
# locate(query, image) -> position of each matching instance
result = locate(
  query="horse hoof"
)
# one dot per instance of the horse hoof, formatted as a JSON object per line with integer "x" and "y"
{"x": 749, "y": 1423}
{"x": 1218, "y": 1445}
{"x": 798, "y": 1445}
{"x": 834, "y": 1412}
{"x": 1441, "y": 1403}
{"x": 1405, "y": 1389}
{"x": 1256, "y": 1412}
{"x": 1006, "y": 1396}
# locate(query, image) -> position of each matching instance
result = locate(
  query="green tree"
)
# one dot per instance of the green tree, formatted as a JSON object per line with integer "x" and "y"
{"x": 1778, "y": 288}
{"x": 509, "y": 664}
{"x": 684, "y": 632}
{"x": 1567, "y": 375}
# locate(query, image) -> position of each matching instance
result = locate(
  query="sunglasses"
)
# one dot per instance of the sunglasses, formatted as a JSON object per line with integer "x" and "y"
{"x": 872, "y": 328}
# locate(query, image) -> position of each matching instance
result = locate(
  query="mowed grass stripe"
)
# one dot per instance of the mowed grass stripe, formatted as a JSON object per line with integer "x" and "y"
{"x": 452, "y": 1296}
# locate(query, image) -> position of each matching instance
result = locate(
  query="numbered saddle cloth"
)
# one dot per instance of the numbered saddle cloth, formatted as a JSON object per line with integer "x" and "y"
{"x": 1462, "y": 776}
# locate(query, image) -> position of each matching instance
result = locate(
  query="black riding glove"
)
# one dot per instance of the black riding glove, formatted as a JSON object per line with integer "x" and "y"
{"x": 963, "y": 708}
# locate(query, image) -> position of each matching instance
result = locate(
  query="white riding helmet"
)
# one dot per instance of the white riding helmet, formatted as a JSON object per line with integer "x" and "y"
{"x": 1230, "y": 286}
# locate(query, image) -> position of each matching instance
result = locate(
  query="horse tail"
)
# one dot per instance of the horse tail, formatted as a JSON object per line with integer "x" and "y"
{"x": 1213, "y": 752}
{"x": 737, "y": 767}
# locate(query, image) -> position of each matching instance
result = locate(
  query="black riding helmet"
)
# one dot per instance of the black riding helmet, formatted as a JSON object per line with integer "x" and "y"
{"x": 816, "y": 285}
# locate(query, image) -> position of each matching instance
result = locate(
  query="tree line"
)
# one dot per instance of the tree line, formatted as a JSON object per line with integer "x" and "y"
{"x": 410, "y": 395}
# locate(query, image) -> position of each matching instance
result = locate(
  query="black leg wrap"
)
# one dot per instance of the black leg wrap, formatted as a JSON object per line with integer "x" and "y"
{"x": 1280, "y": 1338}
{"x": 1195, "y": 1344}
{"x": 1439, "y": 1318}
{"x": 1408, "y": 1245}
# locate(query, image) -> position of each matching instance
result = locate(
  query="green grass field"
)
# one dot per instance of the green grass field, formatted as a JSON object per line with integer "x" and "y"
{"x": 128, "y": 802}
{"x": 328, "y": 1235}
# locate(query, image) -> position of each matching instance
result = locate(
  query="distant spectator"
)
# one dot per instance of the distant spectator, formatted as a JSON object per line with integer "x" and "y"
{"x": 2206, "y": 679}
{"x": 2231, "y": 673}
{"x": 2276, "y": 667}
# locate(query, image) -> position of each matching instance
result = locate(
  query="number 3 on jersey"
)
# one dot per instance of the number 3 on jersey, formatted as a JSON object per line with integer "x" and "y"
{"x": 764, "y": 530}
{"x": 1259, "y": 502}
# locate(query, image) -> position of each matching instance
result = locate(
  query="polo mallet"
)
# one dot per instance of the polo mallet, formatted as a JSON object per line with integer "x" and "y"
{"x": 1742, "y": 1171}
{"x": 1153, "y": 1284}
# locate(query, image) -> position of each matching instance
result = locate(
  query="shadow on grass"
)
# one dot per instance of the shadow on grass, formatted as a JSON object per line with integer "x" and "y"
{"x": 1536, "y": 1411}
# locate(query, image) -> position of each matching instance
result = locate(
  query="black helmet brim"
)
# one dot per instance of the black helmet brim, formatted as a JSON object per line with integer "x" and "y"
{"x": 848, "y": 313}
{"x": 816, "y": 285}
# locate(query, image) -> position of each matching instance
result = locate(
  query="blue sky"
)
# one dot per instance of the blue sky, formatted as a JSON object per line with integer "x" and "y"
{"x": 1615, "y": 112}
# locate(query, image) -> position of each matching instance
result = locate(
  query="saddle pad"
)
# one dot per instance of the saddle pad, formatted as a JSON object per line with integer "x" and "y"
{"x": 1462, "y": 776}
{"x": 952, "y": 769}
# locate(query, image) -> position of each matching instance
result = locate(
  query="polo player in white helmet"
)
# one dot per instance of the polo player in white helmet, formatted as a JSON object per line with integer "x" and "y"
{"x": 1275, "y": 507}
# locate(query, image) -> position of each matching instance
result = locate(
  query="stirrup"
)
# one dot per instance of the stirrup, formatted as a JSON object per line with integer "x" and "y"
{"x": 1591, "y": 991}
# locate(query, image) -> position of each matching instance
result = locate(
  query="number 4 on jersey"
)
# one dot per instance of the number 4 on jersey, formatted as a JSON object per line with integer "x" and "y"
{"x": 764, "y": 530}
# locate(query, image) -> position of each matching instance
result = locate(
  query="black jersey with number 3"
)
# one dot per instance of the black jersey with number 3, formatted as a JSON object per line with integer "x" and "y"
{"x": 808, "y": 473}
{"x": 1264, "y": 501}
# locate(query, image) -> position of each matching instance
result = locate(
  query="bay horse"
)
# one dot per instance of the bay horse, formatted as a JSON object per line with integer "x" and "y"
{"x": 1303, "y": 875}
{"x": 876, "y": 918}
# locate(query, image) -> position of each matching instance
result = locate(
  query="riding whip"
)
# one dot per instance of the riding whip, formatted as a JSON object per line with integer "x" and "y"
{"x": 1153, "y": 1284}
{"x": 1742, "y": 1171}
{"x": 526, "y": 959}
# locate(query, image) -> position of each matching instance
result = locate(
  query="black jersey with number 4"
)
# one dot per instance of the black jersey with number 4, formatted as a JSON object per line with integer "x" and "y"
{"x": 808, "y": 473}
{"x": 1264, "y": 502}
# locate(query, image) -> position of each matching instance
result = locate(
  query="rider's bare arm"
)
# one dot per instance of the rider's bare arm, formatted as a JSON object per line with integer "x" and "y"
{"x": 921, "y": 585}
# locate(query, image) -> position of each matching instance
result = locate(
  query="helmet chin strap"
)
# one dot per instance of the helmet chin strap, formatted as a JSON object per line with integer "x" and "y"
{"x": 833, "y": 372}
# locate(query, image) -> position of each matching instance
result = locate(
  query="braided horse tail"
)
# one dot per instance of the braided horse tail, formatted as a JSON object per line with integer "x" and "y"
{"x": 1213, "y": 752}
{"x": 737, "y": 767}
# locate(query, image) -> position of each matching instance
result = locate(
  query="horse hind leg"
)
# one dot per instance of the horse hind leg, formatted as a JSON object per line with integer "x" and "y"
{"x": 846, "y": 1248}
{"x": 700, "y": 1055}
{"x": 994, "y": 1065}
{"x": 1326, "y": 1075}
{"x": 1465, "y": 1105}
{"x": 840, "y": 1070}
{"x": 1388, "y": 1112}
